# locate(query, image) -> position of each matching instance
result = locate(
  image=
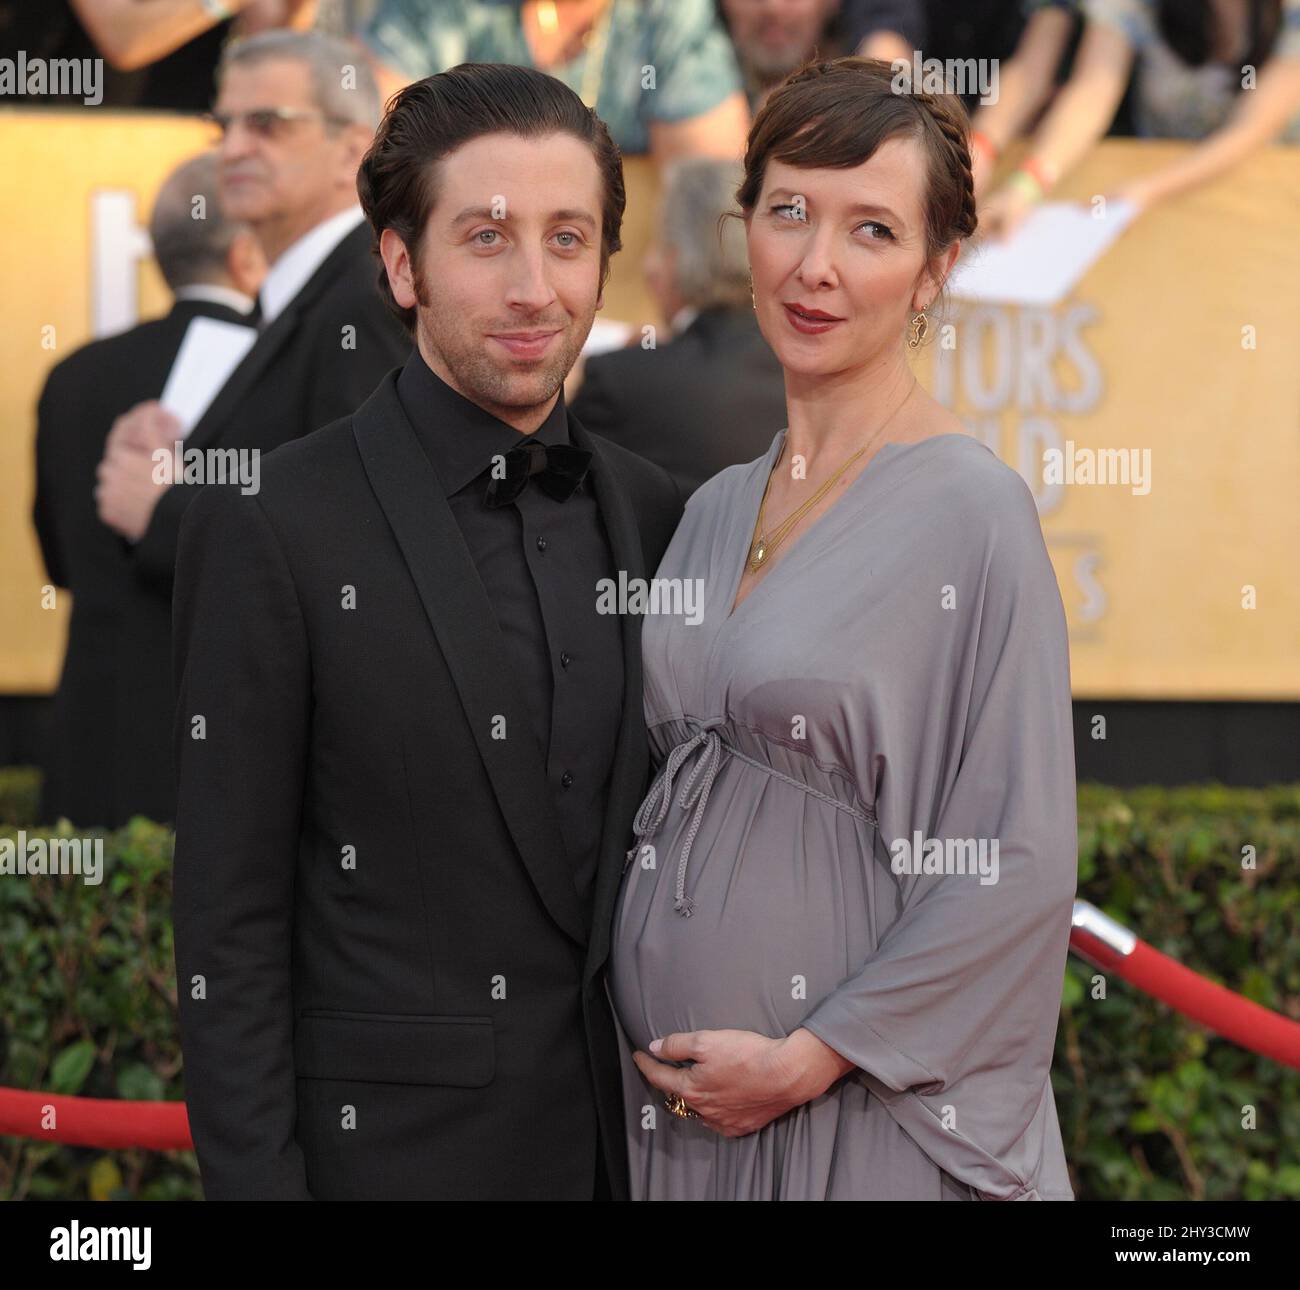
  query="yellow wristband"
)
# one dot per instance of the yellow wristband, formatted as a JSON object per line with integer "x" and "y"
{"x": 1027, "y": 184}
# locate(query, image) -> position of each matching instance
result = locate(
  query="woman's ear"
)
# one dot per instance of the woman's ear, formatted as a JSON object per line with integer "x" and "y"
{"x": 934, "y": 276}
{"x": 947, "y": 260}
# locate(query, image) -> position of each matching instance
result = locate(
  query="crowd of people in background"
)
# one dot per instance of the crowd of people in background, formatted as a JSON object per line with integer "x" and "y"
{"x": 1069, "y": 70}
{"x": 675, "y": 80}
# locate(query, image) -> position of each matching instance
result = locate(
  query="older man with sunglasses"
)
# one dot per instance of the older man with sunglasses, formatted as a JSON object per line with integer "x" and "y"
{"x": 295, "y": 112}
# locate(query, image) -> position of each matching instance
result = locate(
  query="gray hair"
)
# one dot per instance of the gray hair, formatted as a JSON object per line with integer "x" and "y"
{"x": 343, "y": 83}
{"x": 712, "y": 263}
{"x": 190, "y": 231}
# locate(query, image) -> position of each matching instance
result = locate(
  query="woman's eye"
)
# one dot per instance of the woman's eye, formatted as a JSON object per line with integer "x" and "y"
{"x": 800, "y": 212}
{"x": 884, "y": 228}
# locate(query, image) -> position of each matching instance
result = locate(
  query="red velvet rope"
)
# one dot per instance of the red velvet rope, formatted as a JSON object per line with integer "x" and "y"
{"x": 164, "y": 1126}
{"x": 1249, "y": 1024}
{"x": 94, "y": 1121}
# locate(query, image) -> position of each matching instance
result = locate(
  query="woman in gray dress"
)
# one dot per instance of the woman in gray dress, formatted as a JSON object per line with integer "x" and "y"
{"x": 839, "y": 944}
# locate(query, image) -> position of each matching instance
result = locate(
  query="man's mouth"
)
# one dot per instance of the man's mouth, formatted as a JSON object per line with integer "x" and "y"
{"x": 525, "y": 344}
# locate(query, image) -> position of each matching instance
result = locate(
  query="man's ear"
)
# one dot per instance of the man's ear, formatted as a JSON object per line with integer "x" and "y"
{"x": 397, "y": 264}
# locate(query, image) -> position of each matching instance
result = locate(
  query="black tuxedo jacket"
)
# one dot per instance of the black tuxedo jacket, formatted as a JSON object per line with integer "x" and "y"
{"x": 711, "y": 398}
{"x": 316, "y": 362}
{"x": 387, "y": 989}
{"x": 109, "y": 752}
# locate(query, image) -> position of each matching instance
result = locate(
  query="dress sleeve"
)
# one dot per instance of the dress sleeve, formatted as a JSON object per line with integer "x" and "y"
{"x": 952, "y": 1020}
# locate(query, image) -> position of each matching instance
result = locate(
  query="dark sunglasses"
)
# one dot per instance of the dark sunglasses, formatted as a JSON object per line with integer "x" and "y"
{"x": 268, "y": 123}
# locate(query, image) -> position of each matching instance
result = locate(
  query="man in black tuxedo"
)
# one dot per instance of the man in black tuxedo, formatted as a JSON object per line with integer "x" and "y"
{"x": 410, "y": 745}
{"x": 295, "y": 124}
{"x": 109, "y": 752}
{"x": 714, "y": 394}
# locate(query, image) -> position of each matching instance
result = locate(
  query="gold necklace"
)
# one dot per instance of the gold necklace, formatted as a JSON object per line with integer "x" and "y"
{"x": 763, "y": 544}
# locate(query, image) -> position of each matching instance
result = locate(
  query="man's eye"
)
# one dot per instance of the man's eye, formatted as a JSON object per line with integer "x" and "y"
{"x": 571, "y": 244}
{"x": 486, "y": 232}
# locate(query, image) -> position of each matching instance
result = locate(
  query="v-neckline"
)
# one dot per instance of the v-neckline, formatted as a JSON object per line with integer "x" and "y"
{"x": 778, "y": 445}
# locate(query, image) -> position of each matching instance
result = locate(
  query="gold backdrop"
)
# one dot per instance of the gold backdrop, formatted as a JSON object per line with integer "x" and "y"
{"x": 1187, "y": 591}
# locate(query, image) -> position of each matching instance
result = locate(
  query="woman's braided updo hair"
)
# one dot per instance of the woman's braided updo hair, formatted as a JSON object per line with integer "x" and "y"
{"x": 836, "y": 113}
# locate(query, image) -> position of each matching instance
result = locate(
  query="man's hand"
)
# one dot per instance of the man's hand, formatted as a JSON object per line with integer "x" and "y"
{"x": 742, "y": 1080}
{"x": 127, "y": 493}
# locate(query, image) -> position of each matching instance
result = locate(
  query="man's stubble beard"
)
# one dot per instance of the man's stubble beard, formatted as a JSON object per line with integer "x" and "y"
{"x": 494, "y": 384}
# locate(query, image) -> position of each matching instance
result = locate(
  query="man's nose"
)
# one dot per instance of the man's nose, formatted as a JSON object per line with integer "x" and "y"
{"x": 530, "y": 288}
{"x": 237, "y": 140}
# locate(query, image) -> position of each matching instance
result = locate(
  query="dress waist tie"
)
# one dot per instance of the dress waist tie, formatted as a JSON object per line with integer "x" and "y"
{"x": 695, "y": 793}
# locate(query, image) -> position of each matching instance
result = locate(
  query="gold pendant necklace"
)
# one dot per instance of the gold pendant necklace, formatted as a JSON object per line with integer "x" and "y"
{"x": 764, "y": 544}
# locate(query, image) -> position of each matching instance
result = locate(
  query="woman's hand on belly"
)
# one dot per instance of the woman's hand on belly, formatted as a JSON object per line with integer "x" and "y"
{"x": 741, "y": 1080}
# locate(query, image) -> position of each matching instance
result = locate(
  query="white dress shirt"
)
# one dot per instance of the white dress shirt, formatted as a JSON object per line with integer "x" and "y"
{"x": 289, "y": 274}
{"x": 216, "y": 295}
{"x": 682, "y": 319}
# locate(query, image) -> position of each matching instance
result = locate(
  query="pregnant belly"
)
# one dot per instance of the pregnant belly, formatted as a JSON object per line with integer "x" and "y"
{"x": 781, "y": 917}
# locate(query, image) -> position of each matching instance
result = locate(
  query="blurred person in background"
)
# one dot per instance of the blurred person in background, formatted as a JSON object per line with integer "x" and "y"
{"x": 1226, "y": 72}
{"x": 135, "y": 33}
{"x": 885, "y": 29}
{"x": 110, "y": 733}
{"x": 293, "y": 135}
{"x": 1026, "y": 83}
{"x": 602, "y": 49}
{"x": 714, "y": 394}
{"x": 159, "y": 54}
{"x": 772, "y": 37}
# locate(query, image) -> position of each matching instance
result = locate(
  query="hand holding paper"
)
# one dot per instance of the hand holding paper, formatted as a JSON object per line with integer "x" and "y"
{"x": 1045, "y": 258}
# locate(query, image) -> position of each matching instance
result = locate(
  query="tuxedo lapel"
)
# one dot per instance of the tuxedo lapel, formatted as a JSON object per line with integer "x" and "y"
{"x": 458, "y": 609}
{"x": 627, "y": 781}
{"x": 270, "y": 343}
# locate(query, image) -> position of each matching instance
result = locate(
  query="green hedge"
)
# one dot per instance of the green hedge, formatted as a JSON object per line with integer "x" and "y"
{"x": 1151, "y": 1106}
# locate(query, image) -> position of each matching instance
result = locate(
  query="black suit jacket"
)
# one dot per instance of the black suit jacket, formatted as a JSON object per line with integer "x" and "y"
{"x": 711, "y": 398}
{"x": 316, "y": 362}
{"x": 387, "y": 988}
{"x": 109, "y": 750}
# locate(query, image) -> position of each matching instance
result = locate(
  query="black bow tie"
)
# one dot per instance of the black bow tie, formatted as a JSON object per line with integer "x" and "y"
{"x": 558, "y": 467}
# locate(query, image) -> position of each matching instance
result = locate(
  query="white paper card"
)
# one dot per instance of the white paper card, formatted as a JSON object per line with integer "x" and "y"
{"x": 606, "y": 334}
{"x": 209, "y": 353}
{"x": 1044, "y": 259}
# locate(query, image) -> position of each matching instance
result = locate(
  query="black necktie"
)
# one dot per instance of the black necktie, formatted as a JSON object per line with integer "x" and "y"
{"x": 558, "y": 467}
{"x": 254, "y": 315}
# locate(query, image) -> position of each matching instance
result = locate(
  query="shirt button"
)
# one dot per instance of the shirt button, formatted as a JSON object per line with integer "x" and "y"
{"x": 566, "y": 779}
{"x": 565, "y": 660}
{"x": 541, "y": 544}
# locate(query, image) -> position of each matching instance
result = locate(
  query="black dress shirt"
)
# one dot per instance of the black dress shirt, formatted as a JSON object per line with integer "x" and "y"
{"x": 539, "y": 561}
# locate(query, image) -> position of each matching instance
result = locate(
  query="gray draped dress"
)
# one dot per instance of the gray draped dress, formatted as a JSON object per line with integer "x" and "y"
{"x": 840, "y": 763}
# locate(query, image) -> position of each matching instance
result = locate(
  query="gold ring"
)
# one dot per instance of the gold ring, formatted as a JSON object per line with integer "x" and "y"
{"x": 677, "y": 1105}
